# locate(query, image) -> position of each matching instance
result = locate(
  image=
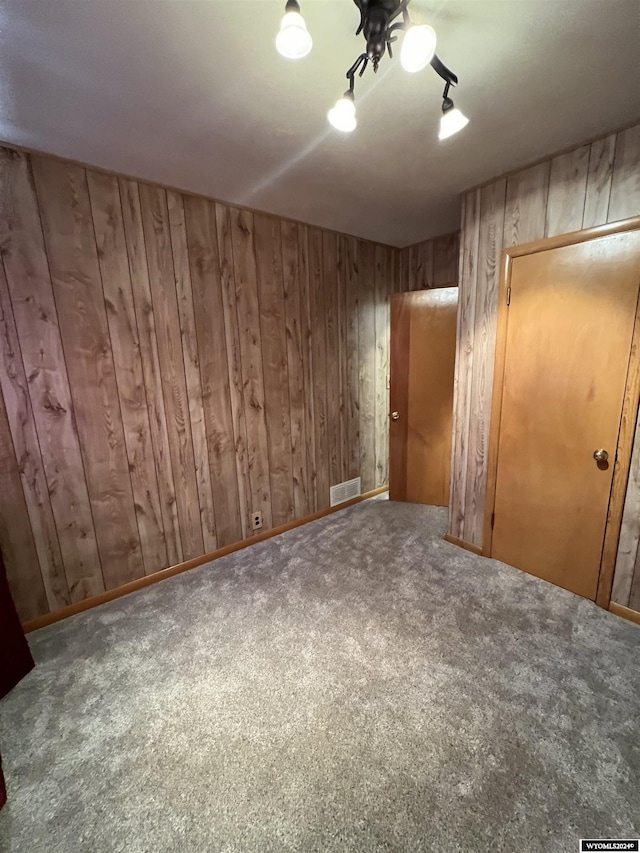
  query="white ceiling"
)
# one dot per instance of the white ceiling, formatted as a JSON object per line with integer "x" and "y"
{"x": 194, "y": 95}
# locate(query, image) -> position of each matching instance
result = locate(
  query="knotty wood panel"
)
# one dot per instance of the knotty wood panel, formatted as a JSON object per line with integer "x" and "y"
{"x": 20, "y": 454}
{"x": 24, "y": 572}
{"x": 605, "y": 189}
{"x": 332, "y": 311}
{"x": 625, "y": 182}
{"x": 123, "y": 330}
{"x": 236, "y": 387}
{"x": 596, "y": 205}
{"x": 141, "y": 287}
{"x": 351, "y": 262}
{"x": 308, "y": 364}
{"x": 343, "y": 438}
{"x": 69, "y": 235}
{"x": 217, "y": 460}
{"x": 190, "y": 363}
{"x": 425, "y": 265}
{"x": 526, "y": 205}
{"x": 268, "y": 248}
{"x": 567, "y": 192}
{"x": 432, "y": 263}
{"x": 492, "y": 217}
{"x": 293, "y": 305}
{"x": 186, "y": 313}
{"x": 445, "y": 260}
{"x": 248, "y": 307}
{"x": 34, "y": 311}
{"x": 367, "y": 360}
{"x": 320, "y": 366}
{"x": 383, "y": 272}
{"x": 155, "y": 221}
{"x": 463, "y": 374}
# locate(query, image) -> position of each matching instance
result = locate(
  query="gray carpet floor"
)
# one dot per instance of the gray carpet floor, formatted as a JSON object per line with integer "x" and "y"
{"x": 357, "y": 684}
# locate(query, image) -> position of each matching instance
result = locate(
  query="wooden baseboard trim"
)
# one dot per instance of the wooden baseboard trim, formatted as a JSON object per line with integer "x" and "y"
{"x": 148, "y": 580}
{"x": 462, "y": 544}
{"x": 625, "y": 612}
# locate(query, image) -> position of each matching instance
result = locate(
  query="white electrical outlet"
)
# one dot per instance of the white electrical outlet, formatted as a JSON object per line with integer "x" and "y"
{"x": 256, "y": 520}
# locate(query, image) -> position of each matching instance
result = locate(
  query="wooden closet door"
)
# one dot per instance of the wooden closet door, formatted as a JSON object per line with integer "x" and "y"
{"x": 570, "y": 325}
{"x": 423, "y": 349}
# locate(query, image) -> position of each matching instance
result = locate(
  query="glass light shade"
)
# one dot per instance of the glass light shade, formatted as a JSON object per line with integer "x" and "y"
{"x": 343, "y": 115}
{"x": 451, "y": 122}
{"x": 293, "y": 41}
{"x": 418, "y": 47}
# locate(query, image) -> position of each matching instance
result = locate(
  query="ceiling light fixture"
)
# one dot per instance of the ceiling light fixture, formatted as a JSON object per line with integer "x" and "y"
{"x": 418, "y": 47}
{"x": 452, "y": 119}
{"x": 379, "y": 26}
{"x": 343, "y": 115}
{"x": 293, "y": 41}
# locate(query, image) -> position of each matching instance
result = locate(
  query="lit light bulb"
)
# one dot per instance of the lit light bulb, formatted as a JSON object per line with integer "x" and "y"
{"x": 452, "y": 120}
{"x": 343, "y": 115}
{"x": 418, "y": 47}
{"x": 293, "y": 41}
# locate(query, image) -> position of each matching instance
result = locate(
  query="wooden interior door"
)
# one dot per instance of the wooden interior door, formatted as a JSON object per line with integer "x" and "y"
{"x": 423, "y": 351}
{"x": 568, "y": 332}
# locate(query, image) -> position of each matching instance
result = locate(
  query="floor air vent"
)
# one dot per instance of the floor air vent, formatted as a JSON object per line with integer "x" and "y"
{"x": 345, "y": 491}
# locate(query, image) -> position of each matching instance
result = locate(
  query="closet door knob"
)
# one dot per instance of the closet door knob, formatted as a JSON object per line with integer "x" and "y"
{"x": 600, "y": 455}
{"x": 395, "y": 416}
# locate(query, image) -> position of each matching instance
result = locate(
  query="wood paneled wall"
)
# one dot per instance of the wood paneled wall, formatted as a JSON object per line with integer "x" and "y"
{"x": 590, "y": 185}
{"x": 432, "y": 263}
{"x": 168, "y": 365}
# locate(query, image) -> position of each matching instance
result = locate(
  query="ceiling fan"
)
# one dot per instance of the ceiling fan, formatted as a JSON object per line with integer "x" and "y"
{"x": 380, "y": 23}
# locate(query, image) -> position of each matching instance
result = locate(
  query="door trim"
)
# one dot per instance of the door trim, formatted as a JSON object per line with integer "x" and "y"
{"x": 629, "y": 406}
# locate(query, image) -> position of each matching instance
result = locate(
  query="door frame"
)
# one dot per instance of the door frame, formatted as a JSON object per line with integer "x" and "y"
{"x": 630, "y": 404}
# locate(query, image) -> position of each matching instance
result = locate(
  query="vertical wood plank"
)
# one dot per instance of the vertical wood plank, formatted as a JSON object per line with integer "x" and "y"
{"x": 293, "y": 305}
{"x": 330, "y": 288}
{"x": 16, "y": 538}
{"x": 526, "y": 205}
{"x": 143, "y": 306}
{"x": 248, "y": 308}
{"x": 492, "y": 213}
{"x": 567, "y": 192}
{"x": 415, "y": 267}
{"x": 427, "y": 264}
{"x": 402, "y": 281}
{"x": 445, "y": 253}
{"x": 342, "y": 356}
{"x": 155, "y": 222}
{"x": 212, "y": 351}
{"x": 596, "y": 205}
{"x": 70, "y": 242}
{"x": 268, "y": 251}
{"x": 463, "y": 377}
{"x": 123, "y": 330}
{"x": 352, "y": 354}
{"x": 34, "y": 310}
{"x": 22, "y": 441}
{"x": 630, "y": 530}
{"x": 625, "y": 183}
{"x": 367, "y": 363}
{"x": 317, "y": 312}
{"x": 236, "y": 387}
{"x": 187, "y": 319}
{"x": 306, "y": 305}
{"x": 634, "y": 594}
{"x": 381, "y": 320}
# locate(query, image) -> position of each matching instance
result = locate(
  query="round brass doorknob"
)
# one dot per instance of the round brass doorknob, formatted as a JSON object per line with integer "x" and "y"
{"x": 395, "y": 416}
{"x": 600, "y": 455}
